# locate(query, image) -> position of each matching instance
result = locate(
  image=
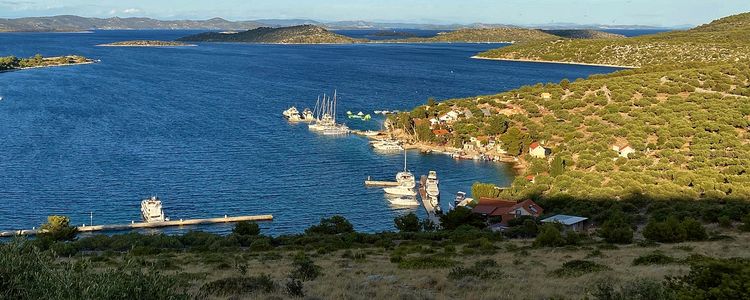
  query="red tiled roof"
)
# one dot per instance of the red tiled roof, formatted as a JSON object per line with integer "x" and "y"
{"x": 528, "y": 205}
{"x": 484, "y": 209}
{"x": 534, "y": 145}
{"x": 440, "y": 132}
{"x": 530, "y": 177}
{"x": 497, "y": 202}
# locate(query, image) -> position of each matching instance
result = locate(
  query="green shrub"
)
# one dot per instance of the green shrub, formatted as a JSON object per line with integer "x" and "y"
{"x": 485, "y": 269}
{"x": 426, "y": 262}
{"x": 238, "y": 286}
{"x": 333, "y": 225}
{"x": 654, "y": 258}
{"x": 616, "y": 230}
{"x": 304, "y": 269}
{"x": 549, "y": 236}
{"x": 246, "y": 228}
{"x": 640, "y": 289}
{"x": 672, "y": 230}
{"x": 295, "y": 288}
{"x": 714, "y": 279}
{"x": 576, "y": 268}
{"x": 58, "y": 228}
{"x": 407, "y": 223}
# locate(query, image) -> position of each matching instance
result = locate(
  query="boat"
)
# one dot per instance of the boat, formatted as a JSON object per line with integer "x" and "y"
{"x": 336, "y": 130}
{"x": 431, "y": 187}
{"x": 371, "y": 133}
{"x": 151, "y": 210}
{"x": 460, "y": 197}
{"x": 325, "y": 119}
{"x": 402, "y": 200}
{"x": 387, "y": 145}
{"x": 290, "y": 112}
{"x": 406, "y": 183}
{"x": 307, "y": 115}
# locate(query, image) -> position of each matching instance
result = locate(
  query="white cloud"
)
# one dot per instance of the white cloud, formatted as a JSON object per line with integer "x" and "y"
{"x": 132, "y": 11}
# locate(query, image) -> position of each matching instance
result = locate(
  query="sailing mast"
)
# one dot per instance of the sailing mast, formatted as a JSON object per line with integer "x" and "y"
{"x": 405, "y": 160}
{"x": 334, "y": 106}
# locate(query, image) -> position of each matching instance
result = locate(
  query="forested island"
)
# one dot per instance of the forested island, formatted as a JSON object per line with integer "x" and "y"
{"x": 146, "y": 43}
{"x": 10, "y": 63}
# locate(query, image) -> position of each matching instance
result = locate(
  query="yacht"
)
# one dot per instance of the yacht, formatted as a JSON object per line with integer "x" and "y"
{"x": 152, "y": 211}
{"x": 371, "y": 133}
{"x": 387, "y": 145}
{"x": 402, "y": 200}
{"x": 432, "y": 190}
{"x": 406, "y": 183}
{"x": 307, "y": 115}
{"x": 460, "y": 197}
{"x": 290, "y": 112}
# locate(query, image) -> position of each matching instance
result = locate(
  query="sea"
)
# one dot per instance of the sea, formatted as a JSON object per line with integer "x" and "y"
{"x": 201, "y": 128}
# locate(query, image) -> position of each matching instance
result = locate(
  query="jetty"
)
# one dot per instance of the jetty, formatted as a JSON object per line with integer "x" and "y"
{"x": 377, "y": 183}
{"x": 142, "y": 225}
{"x": 432, "y": 212}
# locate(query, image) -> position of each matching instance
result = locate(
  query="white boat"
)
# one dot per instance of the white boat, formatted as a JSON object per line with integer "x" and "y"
{"x": 460, "y": 197}
{"x": 336, "y": 130}
{"x": 290, "y": 111}
{"x": 325, "y": 118}
{"x": 151, "y": 210}
{"x": 387, "y": 145}
{"x": 431, "y": 187}
{"x": 307, "y": 115}
{"x": 406, "y": 183}
{"x": 402, "y": 200}
{"x": 371, "y": 133}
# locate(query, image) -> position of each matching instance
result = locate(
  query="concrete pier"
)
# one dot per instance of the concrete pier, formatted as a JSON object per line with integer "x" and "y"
{"x": 139, "y": 225}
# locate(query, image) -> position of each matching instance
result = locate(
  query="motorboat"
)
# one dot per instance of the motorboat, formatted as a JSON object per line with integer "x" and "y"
{"x": 406, "y": 183}
{"x": 400, "y": 190}
{"x": 290, "y": 112}
{"x": 151, "y": 210}
{"x": 402, "y": 200}
{"x": 387, "y": 145}
{"x": 431, "y": 188}
{"x": 460, "y": 197}
{"x": 307, "y": 115}
{"x": 371, "y": 133}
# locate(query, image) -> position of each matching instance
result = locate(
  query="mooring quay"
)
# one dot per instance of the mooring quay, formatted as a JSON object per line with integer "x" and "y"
{"x": 140, "y": 225}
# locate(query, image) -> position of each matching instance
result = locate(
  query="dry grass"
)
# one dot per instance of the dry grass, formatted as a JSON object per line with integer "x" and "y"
{"x": 526, "y": 271}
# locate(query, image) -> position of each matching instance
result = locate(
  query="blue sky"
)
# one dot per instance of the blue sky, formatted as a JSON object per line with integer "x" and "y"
{"x": 520, "y": 12}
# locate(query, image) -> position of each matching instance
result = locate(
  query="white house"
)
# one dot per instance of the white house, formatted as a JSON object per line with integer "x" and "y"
{"x": 573, "y": 223}
{"x": 434, "y": 122}
{"x": 623, "y": 150}
{"x": 538, "y": 151}
{"x": 546, "y": 96}
{"x": 449, "y": 117}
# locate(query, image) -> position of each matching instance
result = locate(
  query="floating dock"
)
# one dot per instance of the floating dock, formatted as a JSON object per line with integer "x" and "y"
{"x": 432, "y": 212}
{"x": 140, "y": 225}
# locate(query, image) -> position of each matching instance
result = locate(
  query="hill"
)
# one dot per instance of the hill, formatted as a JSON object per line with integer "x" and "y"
{"x": 302, "y": 34}
{"x": 146, "y": 43}
{"x": 727, "y": 40}
{"x": 583, "y": 34}
{"x": 68, "y": 23}
{"x": 483, "y": 35}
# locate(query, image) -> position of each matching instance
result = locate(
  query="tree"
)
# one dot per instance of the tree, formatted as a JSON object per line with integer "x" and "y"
{"x": 408, "y": 223}
{"x": 58, "y": 228}
{"x": 514, "y": 140}
{"x": 246, "y": 228}
{"x": 333, "y": 225}
{"x": 694, "y": 230}
{"x": 497, "y": 125}
{"x": 558, "y": 166}
{"x": 461, "y": 216}
{"x": 480, "y": 190}
{"x": 616, "y": 230}
{"x": 549, "y": 236}
{"x": 565, "y": 84}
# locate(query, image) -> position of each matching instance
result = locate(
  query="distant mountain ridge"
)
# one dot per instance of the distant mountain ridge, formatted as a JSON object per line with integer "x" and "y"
{"x": 69, "y": 23}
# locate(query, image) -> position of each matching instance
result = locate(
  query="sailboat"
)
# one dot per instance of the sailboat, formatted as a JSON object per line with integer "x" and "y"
{"x": 406, "y": 183}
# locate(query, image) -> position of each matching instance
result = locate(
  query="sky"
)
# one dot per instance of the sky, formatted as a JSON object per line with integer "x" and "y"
{"x": 667, "y": 13}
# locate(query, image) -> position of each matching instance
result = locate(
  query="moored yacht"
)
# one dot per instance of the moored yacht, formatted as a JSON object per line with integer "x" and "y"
{"x": 151, "y": 210}
{"x": 406, "y": 183}
{"x": 432, "y": 190}
{"x": 290, "y": 112}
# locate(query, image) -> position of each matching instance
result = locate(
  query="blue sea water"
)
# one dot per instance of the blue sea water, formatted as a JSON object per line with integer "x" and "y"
{"x": 201, "y": 127}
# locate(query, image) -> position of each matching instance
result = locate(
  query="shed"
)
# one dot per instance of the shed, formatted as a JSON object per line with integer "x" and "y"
{"x": 574, "y": 223}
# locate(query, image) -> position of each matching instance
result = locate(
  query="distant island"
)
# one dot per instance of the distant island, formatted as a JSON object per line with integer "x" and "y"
{"x": 312, "y": 34}
{"x": 391, "y": 33}
{"x": 303, "y": 34}
{"x": 10, "y": 63}
{"x": 146, "y": 43}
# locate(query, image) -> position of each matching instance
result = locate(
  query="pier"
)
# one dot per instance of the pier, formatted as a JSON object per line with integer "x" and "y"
{"x": 376, "y": 183}
{"x": 140, "y": 225}
{"x": 432, "y": 212}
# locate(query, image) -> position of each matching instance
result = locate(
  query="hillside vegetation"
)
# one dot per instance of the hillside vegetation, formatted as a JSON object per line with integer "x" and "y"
{"x": 482, "y": 35}
{"x": 686, "y": 123}
{"x": 9, "y": 63}
{"x": 67, "y": 23}
{"x": 724, "y": 40}
{"x": 583, "y": 34}
{"x": 303, "y": 34}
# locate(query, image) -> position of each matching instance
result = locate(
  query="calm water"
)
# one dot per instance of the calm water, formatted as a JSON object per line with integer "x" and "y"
{"x": 201, "y": 127}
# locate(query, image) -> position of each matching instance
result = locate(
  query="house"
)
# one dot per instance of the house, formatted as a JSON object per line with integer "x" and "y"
{"x": 546, "y": 96}
{"x": 468, "y": 113}
{"x": 440, "y": 132}
{"x": 486, "y": 112}
{"x": 507, "y": 210}
{"x": 538, "y": 151}
{"x": 623, "y": 149}
{"x": 573, "y": 223}
{"x": 449, "y": 117}
{"x": 434, "y": 122}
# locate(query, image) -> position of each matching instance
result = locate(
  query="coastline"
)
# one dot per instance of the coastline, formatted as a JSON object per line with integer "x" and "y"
{"x": 554, "y": 62}
{"x": 51, "y": 66}
{"x": 147, "y": 46}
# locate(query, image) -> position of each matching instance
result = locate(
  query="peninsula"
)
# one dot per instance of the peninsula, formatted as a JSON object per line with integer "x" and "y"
{"x": 10, "y": 63}
{"x": 672, "y": 129}
{"x": 146, "y": 43}
{"x": 303, "y": 34}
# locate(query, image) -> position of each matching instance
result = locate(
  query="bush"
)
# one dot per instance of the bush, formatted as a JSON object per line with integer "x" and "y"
{"x": 640, "y": 289}
{"x": 333, "y": 225}
{"x": 654, "y": 258}
{"x": 425, "y": 262}
{"x": 304, "y": 269}
{"x": 58, "y": 228}
{"x": 673, "y": 231}
{"x": 549, "y": 236}
{"x": 714, "y": 279}
{"x": 238, "y": 286}
{"x": 245, "y": 228}
{"x": 576, "y": 268}
{"x": 616, "y": 230}
{"x": 408, "y": 223}
{"x": 485, "y": 269}
{"x": 295, "y": 288}
{"x": 461, "y": 216}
